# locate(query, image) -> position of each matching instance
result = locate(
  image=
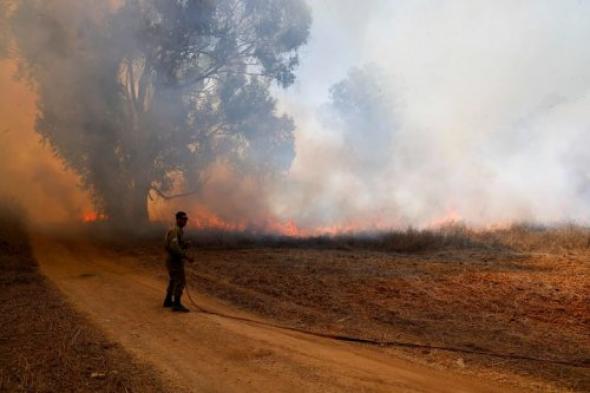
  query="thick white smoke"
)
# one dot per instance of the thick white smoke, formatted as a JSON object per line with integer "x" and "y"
{"x": 408, "y": 113}
{"x": 490, "y": 107}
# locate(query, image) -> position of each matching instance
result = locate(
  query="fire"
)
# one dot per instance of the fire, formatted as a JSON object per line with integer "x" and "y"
{"x": 211, "y": 221}
{"x": 92, "y": 216}
{"x": 202, "y": 217}
{"x": 452, "y": 216}
{"x": 290, "y": 228}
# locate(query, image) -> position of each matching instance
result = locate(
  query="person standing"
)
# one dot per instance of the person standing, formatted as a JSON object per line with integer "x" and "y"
{"x": 176, "y": 249}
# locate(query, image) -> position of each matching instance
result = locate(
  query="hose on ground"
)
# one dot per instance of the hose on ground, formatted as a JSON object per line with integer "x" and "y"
{"x": 399, "y": 344}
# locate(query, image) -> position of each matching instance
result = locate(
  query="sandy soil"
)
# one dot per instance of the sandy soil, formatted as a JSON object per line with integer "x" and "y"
{"x": 48, "y": 347}
{"x": 518, "y": 304}
{"x": 208, "y": 353}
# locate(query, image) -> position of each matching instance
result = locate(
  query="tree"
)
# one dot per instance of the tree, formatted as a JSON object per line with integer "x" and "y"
{"x": 5, "y": 41}
{"x": 136, "y": 97}
{"x": 362, "y": 107}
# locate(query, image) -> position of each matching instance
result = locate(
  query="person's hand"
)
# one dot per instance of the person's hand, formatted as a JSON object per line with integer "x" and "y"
{"x": 190, "y": 259}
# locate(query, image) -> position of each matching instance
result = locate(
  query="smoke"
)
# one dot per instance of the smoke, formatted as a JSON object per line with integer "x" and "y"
{"x": 31, "y": 175}
{"x": 160, "y": 99}
{"x": 407, "y": 113}
{"x": 487, "y": 115}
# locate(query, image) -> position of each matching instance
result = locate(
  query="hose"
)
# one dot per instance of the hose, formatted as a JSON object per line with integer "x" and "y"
{"x": 399, "y": 344}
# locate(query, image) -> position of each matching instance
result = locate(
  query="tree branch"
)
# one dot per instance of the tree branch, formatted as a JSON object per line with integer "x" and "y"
{"x": 168, "y": 197}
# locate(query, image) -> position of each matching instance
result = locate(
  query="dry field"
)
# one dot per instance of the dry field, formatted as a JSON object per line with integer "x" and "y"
{"x": 46, "y": 346}
{"x": 511, "y": 305}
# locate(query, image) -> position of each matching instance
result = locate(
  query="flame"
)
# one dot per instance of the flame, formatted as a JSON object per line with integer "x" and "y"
{"x": 202, "y": 218}
{"x": 451, "y": 217}
{"x": 92, "y": 216}
{"x": 290, "y": 228}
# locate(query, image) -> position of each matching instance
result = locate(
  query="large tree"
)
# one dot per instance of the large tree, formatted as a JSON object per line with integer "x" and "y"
{"x": 363, "y": 108}
{"x": 5, "y": 36}
{"x": 138, "y": 96}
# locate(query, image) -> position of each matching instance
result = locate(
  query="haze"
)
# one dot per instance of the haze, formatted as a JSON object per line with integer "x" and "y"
{"x": 479, "y": 115}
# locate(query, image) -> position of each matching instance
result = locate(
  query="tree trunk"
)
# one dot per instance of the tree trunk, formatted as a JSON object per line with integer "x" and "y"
{"x": 128, "y": 209}
{"x": 138, "y": 208}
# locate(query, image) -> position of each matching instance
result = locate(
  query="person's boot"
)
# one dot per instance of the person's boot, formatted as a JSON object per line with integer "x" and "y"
{"x": 168, "y": 301}
{"x": 178, "y": 307}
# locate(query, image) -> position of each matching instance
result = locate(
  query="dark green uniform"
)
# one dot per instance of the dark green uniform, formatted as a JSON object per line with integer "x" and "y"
{"x": 175, "y": 247}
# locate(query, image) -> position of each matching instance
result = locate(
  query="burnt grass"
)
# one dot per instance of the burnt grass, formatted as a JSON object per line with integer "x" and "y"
{"x": 522, "y": 291}
{"x": 45, "y": 345}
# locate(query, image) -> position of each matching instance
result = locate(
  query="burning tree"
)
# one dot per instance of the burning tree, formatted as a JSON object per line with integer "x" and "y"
{"x": 138, "y": 95}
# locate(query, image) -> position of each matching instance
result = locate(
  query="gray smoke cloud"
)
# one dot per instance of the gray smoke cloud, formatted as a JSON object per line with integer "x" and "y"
{"x": 406, "y": 113}
{"x": 486, "y": 115}
{"x": 152, "y": 100}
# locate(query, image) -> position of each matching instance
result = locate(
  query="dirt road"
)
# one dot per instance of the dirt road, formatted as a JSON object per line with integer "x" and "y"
{"x": 200, "y": 352}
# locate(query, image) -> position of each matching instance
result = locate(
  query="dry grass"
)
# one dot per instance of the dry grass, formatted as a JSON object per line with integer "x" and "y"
{"x": 523, "y": 290}
{"x": 531, "y": 237}
{"x": 520, "y": 237}
{"x": 535, "y": 306}
{"x": 45, "y": 346}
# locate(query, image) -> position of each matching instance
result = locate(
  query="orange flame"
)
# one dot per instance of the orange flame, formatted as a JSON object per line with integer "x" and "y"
{"x": 92, "y": 216}
{"x": 451, "y": 217}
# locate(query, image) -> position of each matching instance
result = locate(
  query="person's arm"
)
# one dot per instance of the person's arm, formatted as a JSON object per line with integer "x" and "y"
{"x": 186, "y": 244}
{"x": 174, "y": 246}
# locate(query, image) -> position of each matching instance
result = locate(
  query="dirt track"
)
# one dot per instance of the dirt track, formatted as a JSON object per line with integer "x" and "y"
{"x": 208, "y": 353}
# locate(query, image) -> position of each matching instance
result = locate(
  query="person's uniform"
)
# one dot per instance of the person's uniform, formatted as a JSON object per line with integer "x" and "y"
{"x": 175, "y": 248}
